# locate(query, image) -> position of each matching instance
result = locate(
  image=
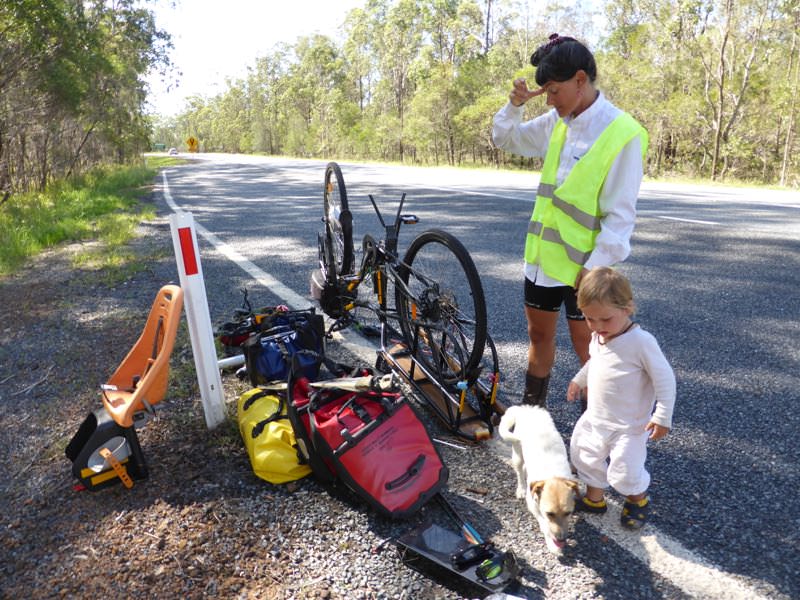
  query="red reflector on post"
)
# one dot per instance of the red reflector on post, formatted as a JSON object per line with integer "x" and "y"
{"x": 187, "y": 250}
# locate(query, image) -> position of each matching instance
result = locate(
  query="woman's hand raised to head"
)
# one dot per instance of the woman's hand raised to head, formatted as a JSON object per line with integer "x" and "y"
{"x": 520, "y": 93}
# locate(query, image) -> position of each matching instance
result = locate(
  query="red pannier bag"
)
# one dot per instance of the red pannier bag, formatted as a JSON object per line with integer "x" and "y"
{"x": 299, "y": 393}
{"x": 372, "y": 441}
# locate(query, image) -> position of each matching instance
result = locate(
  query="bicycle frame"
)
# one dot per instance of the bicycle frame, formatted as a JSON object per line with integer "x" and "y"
{"x": 381, "y": 262}
{"x": 380, "y": 257}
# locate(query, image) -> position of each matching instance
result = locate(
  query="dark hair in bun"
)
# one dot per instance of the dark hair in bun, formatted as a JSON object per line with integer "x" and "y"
{"x": 560, "y": 58}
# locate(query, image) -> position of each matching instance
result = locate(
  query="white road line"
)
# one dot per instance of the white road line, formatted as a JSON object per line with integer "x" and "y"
{"x": 291, "y": 298}
{"x": 352, "y": 342}
{"x": 667, "y": 557}
{"x": 687, "y": 220}
{"x": 529, "y": 199}
{"x": 661, "y": 553}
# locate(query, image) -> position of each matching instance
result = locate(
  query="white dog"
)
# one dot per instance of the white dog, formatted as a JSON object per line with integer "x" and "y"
{"x": 544, "y": 478}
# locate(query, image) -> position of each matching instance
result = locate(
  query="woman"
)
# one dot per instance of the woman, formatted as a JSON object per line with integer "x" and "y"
{"x": 586, "y": 201}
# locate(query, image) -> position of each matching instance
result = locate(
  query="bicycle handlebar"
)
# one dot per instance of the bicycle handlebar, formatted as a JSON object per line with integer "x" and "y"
{"x": 393, "y": 231}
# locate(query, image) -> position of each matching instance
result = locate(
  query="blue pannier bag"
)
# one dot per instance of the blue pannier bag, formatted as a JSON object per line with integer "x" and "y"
{"x": 269, "y": 353}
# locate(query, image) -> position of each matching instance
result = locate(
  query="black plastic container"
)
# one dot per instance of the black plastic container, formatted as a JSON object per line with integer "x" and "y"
{"x": 100, "y": 431}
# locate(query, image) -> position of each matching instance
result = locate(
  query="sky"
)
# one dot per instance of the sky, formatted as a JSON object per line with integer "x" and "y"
{"x": 218, "y": 39}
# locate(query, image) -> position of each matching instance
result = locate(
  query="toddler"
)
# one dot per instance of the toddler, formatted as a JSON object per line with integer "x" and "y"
{"x": 630, "y": 389}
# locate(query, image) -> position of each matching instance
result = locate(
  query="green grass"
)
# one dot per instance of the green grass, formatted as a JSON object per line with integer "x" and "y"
{"x": 155, "y": 161}
{"x": 104, "y": 206}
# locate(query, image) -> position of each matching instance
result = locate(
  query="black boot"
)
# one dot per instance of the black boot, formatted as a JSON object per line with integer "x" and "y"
{"x": 536, "y": 390}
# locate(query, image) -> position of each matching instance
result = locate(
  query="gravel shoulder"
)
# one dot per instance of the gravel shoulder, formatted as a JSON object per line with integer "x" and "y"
{"x": 203, "y": 525}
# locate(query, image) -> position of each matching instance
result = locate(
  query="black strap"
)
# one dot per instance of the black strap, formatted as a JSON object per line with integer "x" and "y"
{"x": 259, "y": 394}
{"x": 361, "y": 412}
{"x": 336, "y": 368}
{"x": 356, "y": 408}
{"x": 258, "y": 428}
{"x": 281, "y": 343}
{"x": 410, "y": 473}
{"x": 246, "y": 302}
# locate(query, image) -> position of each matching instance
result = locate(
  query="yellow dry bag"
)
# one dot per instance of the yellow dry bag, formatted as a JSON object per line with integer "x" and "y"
{"x": 269, "y": 437}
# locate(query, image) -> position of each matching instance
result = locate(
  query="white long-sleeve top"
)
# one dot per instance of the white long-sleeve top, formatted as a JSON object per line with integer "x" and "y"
{"x": 620, "y": 191}
{"x": 626, "y": 379}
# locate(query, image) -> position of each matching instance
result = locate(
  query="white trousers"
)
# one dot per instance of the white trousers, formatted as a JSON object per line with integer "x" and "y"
{"x": 604, "y": 457}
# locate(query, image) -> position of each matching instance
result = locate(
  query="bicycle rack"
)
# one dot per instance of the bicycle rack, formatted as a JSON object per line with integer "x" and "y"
{"x": 448, "y": 403}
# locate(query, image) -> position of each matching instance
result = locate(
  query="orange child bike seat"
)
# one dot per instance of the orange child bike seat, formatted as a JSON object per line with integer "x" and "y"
{"x": 141, "y": 379}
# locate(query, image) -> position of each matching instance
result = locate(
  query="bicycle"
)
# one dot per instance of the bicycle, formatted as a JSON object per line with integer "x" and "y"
{"x": 430, "y": 306}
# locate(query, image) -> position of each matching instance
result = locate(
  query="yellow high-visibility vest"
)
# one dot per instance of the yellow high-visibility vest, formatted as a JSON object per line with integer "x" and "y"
{"x": 566, "y": 220}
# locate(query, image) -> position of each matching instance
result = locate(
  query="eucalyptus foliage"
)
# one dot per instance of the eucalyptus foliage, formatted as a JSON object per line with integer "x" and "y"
{"x": 715, "y": 83}
{"x": 72, "y": 88}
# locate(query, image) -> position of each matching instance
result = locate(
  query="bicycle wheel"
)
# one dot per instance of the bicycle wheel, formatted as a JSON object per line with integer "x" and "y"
{"x": 337, "y": 256}
{"x": 441, "y": 308}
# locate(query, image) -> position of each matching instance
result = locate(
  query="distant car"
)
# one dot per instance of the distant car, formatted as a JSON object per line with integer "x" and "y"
{"x": 173, "y": 152}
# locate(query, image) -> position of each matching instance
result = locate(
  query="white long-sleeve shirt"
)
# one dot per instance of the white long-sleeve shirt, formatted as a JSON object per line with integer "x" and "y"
{"x": 620, "y": 191}
{"x": 626, "y": 378}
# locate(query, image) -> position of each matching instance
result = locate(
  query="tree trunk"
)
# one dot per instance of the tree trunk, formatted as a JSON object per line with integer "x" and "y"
{"x": 792, "y": 112}
{"x": 77, "y": 154}
{"x": 723, "y": 123}
{"x": 488, "y": 40}
{"x": 43, "y": 162}
{"x": 719, "y": 109}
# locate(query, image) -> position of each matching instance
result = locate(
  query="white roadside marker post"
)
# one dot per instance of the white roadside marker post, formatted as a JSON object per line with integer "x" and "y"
{"x": 187, "y": 255}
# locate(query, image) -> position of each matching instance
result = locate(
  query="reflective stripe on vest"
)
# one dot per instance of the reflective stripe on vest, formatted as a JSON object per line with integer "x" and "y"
{"x": 552, "y": 235}
{"x": 566, "y": 219}
{"x": 587, "y": 220}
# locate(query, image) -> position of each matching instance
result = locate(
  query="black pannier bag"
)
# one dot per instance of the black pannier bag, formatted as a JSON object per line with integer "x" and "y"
{"x": 268, "y": 335}
{"x": 286, "y": 334}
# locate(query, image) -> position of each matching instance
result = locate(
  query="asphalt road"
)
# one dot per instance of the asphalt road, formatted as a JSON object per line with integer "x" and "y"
{"x": 715, "y": 272}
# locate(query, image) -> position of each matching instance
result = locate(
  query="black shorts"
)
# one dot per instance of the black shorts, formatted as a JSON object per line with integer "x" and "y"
{"x": 551, "y": 299}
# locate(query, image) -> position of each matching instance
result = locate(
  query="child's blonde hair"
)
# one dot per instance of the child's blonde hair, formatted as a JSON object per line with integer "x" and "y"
{"x": 605, "y": 286}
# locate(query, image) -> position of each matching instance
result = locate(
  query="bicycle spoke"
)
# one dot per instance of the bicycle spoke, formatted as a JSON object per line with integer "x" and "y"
{"x": 443, "y": 308}
{"x": 444, "y": 353}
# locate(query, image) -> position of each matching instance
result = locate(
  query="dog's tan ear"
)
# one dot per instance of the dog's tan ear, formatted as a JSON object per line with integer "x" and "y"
{"x": 536, "y": 487}
{"x": 574, "y": 485}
